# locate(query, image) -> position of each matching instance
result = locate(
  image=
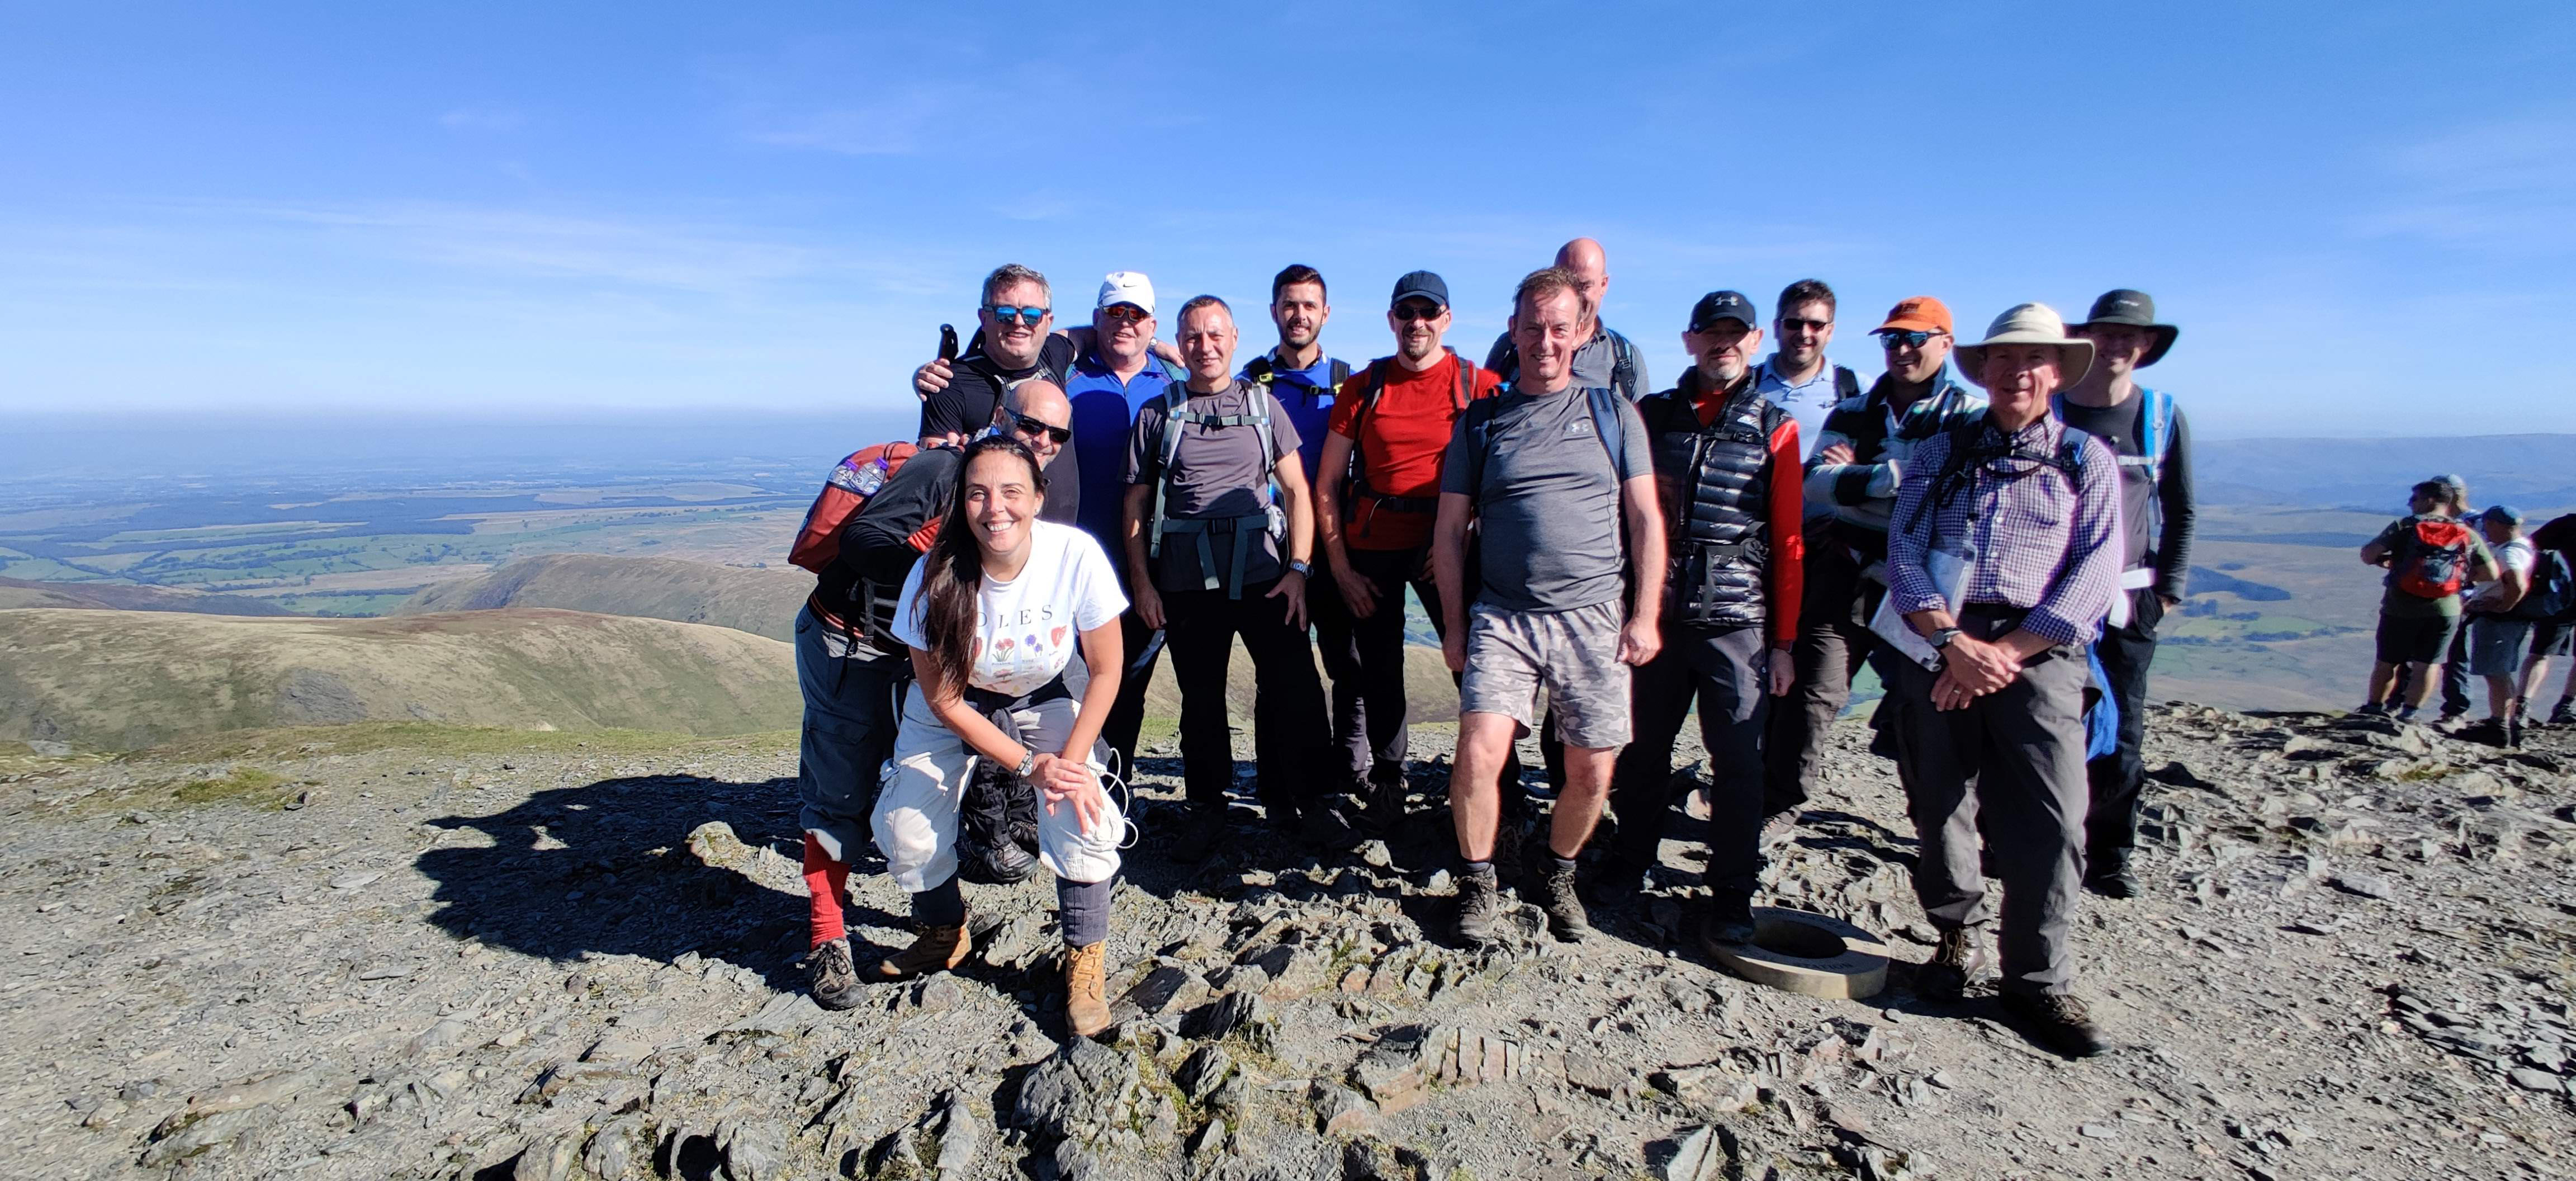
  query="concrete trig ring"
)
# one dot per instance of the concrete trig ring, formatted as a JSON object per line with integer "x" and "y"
{"x": 1808, "y": 954}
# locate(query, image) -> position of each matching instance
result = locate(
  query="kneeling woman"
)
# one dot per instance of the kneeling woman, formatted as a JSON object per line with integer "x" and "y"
{"x": 992, "y": 614}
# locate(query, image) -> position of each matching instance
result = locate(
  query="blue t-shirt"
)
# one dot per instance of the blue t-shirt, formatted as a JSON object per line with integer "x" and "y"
{"x": 1104, "y": 411}
{"x": 1307, "y": 395}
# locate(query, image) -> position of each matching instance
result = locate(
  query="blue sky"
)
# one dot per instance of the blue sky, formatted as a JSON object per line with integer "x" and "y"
{"x": 2363, "y": 216}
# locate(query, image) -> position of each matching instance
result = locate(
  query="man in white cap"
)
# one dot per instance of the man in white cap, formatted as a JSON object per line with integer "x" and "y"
{"x": 2002, "y": 557}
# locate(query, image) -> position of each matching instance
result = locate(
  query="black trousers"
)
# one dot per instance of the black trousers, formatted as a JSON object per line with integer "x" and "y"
{"x": 1379, "y": 645}
{"x": 2006, "y": 773}
{"x": 2455, "y": 671}
{"x": 1724, "y": 671}
{"x": 2111, "y": 829}
{"x": 1834, "y": 640}
{"x": 1337, "y": 645}
{"x": 1143, "y": 645}
{"x": 1290, "y": 739}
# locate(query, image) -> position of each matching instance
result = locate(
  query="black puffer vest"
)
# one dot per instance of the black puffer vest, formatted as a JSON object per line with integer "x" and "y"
{"x": 1716, "y": 505}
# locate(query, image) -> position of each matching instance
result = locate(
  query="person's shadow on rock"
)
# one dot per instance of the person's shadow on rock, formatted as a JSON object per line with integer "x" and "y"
{"x": 606, "y": 868}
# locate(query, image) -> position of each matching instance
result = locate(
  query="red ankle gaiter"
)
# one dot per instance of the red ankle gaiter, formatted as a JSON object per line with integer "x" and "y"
{"x": 824, "y": 880}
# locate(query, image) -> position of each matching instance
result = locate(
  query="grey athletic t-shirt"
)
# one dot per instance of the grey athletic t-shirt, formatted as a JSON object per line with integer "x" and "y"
{"x": 1548, "y": 506}
{"x": 1218, "y": 472}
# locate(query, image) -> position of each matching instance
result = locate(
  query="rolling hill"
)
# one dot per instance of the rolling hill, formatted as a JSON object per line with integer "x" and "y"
{"x": 116, "y": 596}
{"x": 123, "y": 680}
{"x": 760, "y": 601}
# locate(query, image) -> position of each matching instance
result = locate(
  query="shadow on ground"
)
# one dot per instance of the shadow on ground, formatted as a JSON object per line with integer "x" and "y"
{"x": 605, "y": 868}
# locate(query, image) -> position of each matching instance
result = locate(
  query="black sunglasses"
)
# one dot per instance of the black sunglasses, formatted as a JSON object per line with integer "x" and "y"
{"x": 1409, "y": 311}
{"x": 1030, "y": 426}
{"x": 1911, "y": 339}
{"x": 1794, "y": 323}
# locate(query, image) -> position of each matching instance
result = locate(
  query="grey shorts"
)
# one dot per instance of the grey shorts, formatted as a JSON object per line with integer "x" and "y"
{"x": 2496, "y": 645}
{"x": 1573, "y": 656}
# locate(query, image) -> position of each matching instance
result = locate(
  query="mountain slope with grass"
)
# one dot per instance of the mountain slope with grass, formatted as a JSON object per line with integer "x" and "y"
{"x": 116, "y": 680}
{"x": 117, "y": 596}
{"x": 760, "y": 601}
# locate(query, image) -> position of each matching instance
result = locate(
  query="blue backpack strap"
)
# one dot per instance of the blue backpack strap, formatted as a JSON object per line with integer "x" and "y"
{"x": 2155, "y": 426}
{"x": 1612, "y": 429}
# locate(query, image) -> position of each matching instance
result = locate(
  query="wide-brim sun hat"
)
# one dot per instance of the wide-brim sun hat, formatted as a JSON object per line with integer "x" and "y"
{"x": 2030, "y": 323}
{"x": 2137, "y": 309}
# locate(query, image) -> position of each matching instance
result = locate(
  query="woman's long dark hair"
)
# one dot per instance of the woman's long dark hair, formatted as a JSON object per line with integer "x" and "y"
{"x": 956, "y": 574}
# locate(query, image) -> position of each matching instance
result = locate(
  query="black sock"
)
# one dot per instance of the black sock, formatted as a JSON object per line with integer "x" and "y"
{"x": 943, "y": 905}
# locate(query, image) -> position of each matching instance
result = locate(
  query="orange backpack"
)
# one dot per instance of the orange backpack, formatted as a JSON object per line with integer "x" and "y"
{"x": 844, "y": 494}
{"x": 2437, "y": 562}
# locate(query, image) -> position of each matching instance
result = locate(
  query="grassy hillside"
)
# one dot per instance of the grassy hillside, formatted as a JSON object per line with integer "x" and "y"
{"x": 760, "y": 601}
{"x": 15, "y": 592}
{"x": 120, "y": 680}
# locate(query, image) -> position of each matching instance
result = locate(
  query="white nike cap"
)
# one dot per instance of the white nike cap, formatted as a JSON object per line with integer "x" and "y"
{"x": 1127, "y": 287}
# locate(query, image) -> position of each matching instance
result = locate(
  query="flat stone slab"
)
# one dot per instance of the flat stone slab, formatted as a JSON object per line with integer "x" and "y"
{"x": 1809, "y": 954}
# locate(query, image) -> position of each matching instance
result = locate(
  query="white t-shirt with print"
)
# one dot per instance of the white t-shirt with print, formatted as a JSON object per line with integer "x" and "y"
{"x": 1029, "y": 628}
{"x": 2512, "y": 556}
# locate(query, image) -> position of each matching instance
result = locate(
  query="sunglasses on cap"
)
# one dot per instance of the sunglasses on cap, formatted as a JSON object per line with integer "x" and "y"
{"x": 1126, "y": 313}
{"x": 1028, "y": 316}
{"x": 1410, "y": 310}
{"x": 1912, "y": 339}
{"x": 1030, "y": 426}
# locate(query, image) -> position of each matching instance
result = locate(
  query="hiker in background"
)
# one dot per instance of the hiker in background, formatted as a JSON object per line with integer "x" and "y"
{"x": 2004, "y": 558}
{"x": 1797, "y": 377}
{"x": 863, "y": 538}
{"x": 1853, "y": 472}
{"x": 1604, "y": 359}
{"x": 1376, "y": 496}
{"x": 1306, "y": 383}
{"x": 2554, "y": 544}
{"x": 992, "y": 617}
{"x": 2148, "y": 434}
{"x": 1211, "y": 557}
{"x": 1549, "y": 471}
{"x": 1727, "y": 475}
{"x": 2498, "y": 636}
{"x": 2429, "y": 555}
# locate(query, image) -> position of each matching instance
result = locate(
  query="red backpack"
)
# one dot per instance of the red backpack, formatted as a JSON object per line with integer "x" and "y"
{"x": 845, "y": 493}
{"x": 2437, "y": 562}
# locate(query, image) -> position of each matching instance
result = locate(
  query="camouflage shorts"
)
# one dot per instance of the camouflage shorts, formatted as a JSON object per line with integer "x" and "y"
{"x": 1573, "y": 656}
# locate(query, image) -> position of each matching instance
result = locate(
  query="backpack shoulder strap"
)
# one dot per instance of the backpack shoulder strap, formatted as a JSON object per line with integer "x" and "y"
{"x": 1480, "y": 439}
{"x": 1340, "y": 372}
{"x": 2070, "y": 449}
{"x": 1623, "y": 366}
{"x": 1612, "y": 429}
{"x": 1176, "y": 398}
{"x": 2155, "y": 426}
{"x": 1260, "y": 370}
{"x": 1846, "y": 384}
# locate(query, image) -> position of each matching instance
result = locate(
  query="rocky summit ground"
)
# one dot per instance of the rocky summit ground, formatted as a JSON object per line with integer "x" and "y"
{"x": 404, "y": 952}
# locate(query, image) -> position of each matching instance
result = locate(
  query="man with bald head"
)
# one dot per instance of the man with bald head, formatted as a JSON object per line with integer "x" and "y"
{"x": 1605, "y": 359}
{"x": 848, "y": 664}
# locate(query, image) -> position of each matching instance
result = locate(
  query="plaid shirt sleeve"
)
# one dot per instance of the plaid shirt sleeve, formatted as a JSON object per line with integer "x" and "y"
{"x": 1909, "y": 531}
{"x": 2078, "y": 599}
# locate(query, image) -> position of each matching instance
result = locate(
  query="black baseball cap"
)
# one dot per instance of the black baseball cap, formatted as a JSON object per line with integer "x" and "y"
{"x": 1420, "y": 285}
{"x": 1723, "y": 305}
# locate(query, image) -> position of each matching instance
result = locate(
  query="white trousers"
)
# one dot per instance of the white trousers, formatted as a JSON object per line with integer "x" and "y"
{"x": 915, "y": 824}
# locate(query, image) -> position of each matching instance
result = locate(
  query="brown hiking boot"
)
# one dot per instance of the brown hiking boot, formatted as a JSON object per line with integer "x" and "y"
{"x": 936, "y": 949}
{"x": 2059, "y": 1022}
{"x": 1086, "y": 988}
{"x": 1953, "y": 964}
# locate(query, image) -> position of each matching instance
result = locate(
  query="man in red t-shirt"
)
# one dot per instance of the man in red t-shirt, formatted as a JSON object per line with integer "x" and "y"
{"x": 1377, "y": 493}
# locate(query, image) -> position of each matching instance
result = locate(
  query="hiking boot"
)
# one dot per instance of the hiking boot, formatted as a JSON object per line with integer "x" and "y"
{"x": 1320, "y": 826}
{"x": 2513, "y": 730}
{"x": 1196, "y": 834}
{"x": 1778, "y": 829}
{"x": 1086, "y": 988}
{"x": 1003, "y": 864}
{"x": 1958, "y": 959}
{"x": 1728, "y": 924}
{"x": 2056, "y": 1021}
{"x": 936, "y": 949}
{"x": 2483, "y": 730}
{"x": 1556, "y": 884}
{"x": 2564, "y": 713}
{"x": 1384, "y": 811}
{"x": 2406, "y": 715}
{"x": 830, "y": 976}
{"x": 1615, "y": 883}
{"x": 2111, "y": 877}
{"x": 1480, "y": 906}
{"x": 2372, "y": 710}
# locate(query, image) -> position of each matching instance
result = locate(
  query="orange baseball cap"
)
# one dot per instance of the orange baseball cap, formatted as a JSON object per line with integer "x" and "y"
{"x": 1921, "y": 313}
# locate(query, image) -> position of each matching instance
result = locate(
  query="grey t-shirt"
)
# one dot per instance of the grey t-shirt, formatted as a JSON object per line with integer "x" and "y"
{"x": 1548, "y": 508}
{"x": 1219, "y": 472}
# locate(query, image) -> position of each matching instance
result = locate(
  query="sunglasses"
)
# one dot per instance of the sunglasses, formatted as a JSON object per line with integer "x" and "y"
{"x": 1892, "y": 337}
{"x": 1794, "y": 324}
{"x": 1030, "y": 426}
{"x": 1409, "y": 312}
{"x": 1126, "y": 313}
{"x": 1028, "y": 316}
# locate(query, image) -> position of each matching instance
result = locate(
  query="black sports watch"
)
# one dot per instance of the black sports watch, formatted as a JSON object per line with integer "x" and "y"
{"x": 1941, "y": 637}
{"x": 1302, "y": 569}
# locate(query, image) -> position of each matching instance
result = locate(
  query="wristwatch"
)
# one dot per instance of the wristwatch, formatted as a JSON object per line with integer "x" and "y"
{"x": 1941, "y": 638}
{"x": 1302, "y": 569}
{"x": 1029, "y": 764}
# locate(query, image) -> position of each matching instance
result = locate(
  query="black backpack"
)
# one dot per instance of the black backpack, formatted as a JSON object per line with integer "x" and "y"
{"x": 2553, "y": 589}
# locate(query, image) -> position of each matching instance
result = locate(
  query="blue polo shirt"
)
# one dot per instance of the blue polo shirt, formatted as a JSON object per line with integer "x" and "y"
{"x": 1308, "y": 396}
{"x": 1104, "y": 412}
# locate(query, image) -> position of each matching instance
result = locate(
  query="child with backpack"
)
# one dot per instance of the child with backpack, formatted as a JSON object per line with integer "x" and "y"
{"x": 2429, "y": 554}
